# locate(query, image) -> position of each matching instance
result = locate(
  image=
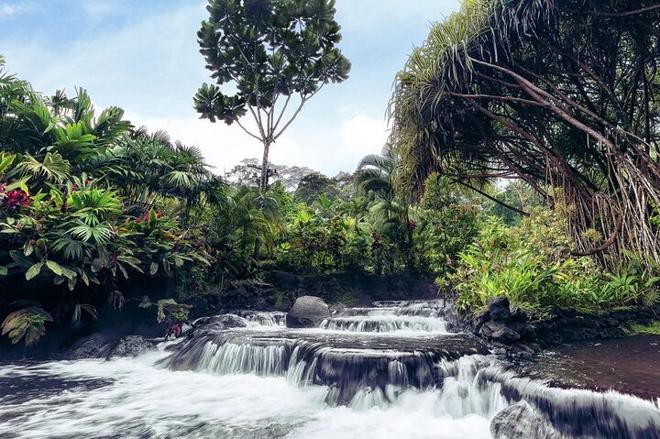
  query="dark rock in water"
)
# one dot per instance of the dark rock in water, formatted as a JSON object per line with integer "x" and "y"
{"x": 480, "y": 319}
{"x": 131, "y": 346}
{"x": 527, "y": 331}
{"x": 216, "y": 323}
{"x": 97, "y": 345}
{"x": 499, "y": 309}
{"x": 499, "y": 332}
{"x": 573, "y": 413}
{"x": 505, "y": 335}
{"x": 518, "y": 316}
{"x": 101, "y": 345}
{"x": 308, "y": 311}
{"x": 518, "y": 420}
{"x": 224, "y": 321}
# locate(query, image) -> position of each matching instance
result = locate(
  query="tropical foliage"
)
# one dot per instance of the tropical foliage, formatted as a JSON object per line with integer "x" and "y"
{"x": 554, "y": 93}
{"x": 532, "y": 265}
{"x": 523, "y": 163}
{"x": 87, "y": 203}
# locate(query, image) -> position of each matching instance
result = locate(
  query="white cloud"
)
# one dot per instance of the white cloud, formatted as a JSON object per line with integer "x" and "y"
{"x": 153, "y": 70}
{"x": 147, "y": 67}
{"x": 376, "y": 15}
{"x": 224, "y": 146}
{"x": 10, "y": 9}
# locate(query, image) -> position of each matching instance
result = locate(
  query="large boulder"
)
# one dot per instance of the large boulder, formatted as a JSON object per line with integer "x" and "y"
{"x": 96, "y": 345}
{"x": 132, "y": 346}
{"x": 522, "y": 421}
{"x": 306, "y": 312}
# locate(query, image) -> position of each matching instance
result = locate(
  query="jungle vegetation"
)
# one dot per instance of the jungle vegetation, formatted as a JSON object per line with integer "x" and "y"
{"x": 562, "y": 95}
{"x": 523, "y": 162}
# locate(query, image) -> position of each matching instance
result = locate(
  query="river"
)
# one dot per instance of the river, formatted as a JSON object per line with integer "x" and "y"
{"x": 388, "y": 371}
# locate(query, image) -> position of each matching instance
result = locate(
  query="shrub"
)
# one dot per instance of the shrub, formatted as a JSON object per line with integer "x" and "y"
{"x": 531, "y": 264}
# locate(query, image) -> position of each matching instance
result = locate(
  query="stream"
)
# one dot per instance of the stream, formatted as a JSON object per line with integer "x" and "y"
{"x": 387, "y": 371}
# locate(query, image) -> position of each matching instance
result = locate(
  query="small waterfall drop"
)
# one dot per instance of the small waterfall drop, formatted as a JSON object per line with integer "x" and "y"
{"x": 390, "y": 370}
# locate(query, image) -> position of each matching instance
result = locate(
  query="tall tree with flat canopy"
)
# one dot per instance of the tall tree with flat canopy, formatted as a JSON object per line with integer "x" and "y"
{"x": 268, "y": 58}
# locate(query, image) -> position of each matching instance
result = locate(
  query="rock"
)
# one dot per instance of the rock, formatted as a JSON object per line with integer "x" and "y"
{"x": 519, "y": 316}
{"x": 527, "y": 331}
{"x": 185, "y": 327}
{"x": 224, "y": 321}
{"x": 307, "y": 311}
{"x": 97, "y": 345}
{"x": 499, "y": 309}
{"x": 131, "y": 346}
{"x": 479, "y": 320}
{"x": 499, "y": 332}
{"x": 505, "y": 335}
{"x": 522, "y": 421}
{"x": 216, "y": 323}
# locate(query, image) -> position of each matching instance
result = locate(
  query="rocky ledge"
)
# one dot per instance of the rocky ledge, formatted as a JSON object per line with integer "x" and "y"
{"x": 500, "y": 324}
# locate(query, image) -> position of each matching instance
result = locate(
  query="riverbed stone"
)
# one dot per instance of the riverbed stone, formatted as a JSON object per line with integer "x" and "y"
{"x": 96, "y": 345}
{"x": 499, "y": 332}
{"x": 521, "y": 419}
{"x": 306, "y": 312}
{"x": 131, "y": 346}
{"x": 216, "y": 323}
{"x": 223, "y": 321}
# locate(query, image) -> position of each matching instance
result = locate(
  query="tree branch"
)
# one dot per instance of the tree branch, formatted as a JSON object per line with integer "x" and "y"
{"x": 627, "y": 13}
{"x": 247, "y": 131}
{"x": 491, "y": 198}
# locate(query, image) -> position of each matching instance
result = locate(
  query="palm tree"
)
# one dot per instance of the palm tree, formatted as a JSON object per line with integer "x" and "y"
{"x": 377, "y": 177}
{"x": 376, "y": 173}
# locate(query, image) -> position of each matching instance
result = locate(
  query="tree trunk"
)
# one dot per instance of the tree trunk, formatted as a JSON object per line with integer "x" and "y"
{"x": 263, "y": 181}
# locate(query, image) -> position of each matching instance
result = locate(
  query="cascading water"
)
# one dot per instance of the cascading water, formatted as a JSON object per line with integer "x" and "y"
{"x": 391, "y": 370}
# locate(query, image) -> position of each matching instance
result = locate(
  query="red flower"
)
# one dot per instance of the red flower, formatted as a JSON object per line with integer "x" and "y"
{"x": 12, "y": 200}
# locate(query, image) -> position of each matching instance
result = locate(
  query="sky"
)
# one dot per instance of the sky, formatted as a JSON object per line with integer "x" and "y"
{"x": 142, "y": 55}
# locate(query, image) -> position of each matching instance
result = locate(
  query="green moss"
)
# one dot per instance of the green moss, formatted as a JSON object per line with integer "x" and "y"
{"x": 652, "y": 329}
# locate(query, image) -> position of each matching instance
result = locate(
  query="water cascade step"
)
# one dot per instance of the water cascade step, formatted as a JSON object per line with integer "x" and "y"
{"x": 389, "y": 370}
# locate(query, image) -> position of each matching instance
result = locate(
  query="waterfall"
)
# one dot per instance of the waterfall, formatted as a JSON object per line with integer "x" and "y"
{"x": 390, "y": 370}
{"x": 384, "y": 323}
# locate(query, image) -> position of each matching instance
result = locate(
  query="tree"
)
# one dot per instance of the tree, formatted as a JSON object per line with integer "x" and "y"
{"x": 273, "y": 53}
{"x": 562, "y": 95}
{"x": 314, "y": 185}
{"x": 377, "y": 176}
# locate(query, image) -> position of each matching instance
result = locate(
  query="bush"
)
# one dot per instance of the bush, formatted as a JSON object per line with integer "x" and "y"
{"x": 531, "y": 264}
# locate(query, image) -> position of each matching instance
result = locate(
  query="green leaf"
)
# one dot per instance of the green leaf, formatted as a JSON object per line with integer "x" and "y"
{"x": 84, "y": 277}
{"x": 55, "y": 267}
{"x": 3, "y": 270}
{"x": 28, "y": 248}
{"x": 153, "y": 268}
{"x": 34, "y": 271}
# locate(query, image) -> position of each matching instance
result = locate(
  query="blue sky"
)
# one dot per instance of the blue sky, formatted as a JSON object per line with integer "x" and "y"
{"x": 142, "y": 56}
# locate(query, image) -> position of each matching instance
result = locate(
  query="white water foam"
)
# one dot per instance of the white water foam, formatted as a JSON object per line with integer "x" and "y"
{"x": 142, "y": 400}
